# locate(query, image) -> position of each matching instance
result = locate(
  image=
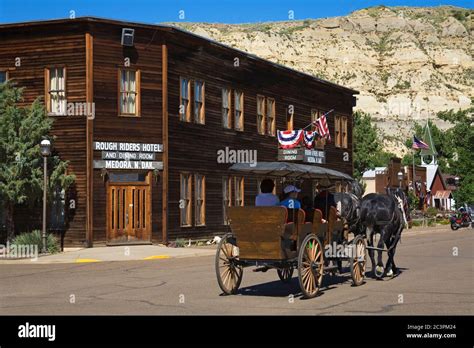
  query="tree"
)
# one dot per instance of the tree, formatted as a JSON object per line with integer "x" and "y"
{"x": 21, "y": 130}
{"x": 368, "y": 152}
{"x": 461, "y": 141}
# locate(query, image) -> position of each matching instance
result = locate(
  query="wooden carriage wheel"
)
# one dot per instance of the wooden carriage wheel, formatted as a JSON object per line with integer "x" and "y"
{"x": 285, "y": 274}
{"x": 310, "y": 265}
{"x": 358, "y": 260}
{"x": 229, "y": 273}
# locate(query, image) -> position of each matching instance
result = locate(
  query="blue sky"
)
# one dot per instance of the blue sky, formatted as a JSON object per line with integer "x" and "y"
{"x": 223, "y": 11}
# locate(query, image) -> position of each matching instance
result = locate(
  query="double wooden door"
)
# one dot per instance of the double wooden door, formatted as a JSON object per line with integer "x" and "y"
{"x": 128, "y": 213}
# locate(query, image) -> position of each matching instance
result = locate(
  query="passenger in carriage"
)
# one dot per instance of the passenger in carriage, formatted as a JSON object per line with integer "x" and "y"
{"x": 290, "y": 197}
{"x": 266, "y": 198}
{"x": 324, "y": 200}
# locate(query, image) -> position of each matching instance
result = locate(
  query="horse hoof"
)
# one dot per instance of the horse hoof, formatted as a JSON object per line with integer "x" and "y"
{"x": 390, "y": 273}
{"x": 379, "y": 271}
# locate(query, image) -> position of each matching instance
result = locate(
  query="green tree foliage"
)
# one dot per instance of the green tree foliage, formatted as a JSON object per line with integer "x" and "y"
{"x": 21, "y": 176}
{"x": 368, "y": 151}
{"x": 461, "y": 142}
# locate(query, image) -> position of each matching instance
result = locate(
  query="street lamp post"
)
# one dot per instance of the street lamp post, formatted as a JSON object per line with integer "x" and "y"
{"x": 45, "y": 152}
{"x": 400, "y": 179}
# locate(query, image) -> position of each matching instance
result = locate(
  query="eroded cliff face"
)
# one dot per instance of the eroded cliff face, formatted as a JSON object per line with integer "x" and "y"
{"x": 408, "y": 63}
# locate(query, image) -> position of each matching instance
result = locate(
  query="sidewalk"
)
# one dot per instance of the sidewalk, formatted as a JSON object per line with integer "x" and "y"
{"x": 115, "y": 253}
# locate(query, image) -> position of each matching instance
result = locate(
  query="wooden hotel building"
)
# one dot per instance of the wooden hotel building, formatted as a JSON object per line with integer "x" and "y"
{"x": 161, "y": 103}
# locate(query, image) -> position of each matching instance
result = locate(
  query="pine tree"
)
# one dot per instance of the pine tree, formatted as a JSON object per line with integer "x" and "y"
{"x": 21, "y": 176}
{"x": 368, "y": 150}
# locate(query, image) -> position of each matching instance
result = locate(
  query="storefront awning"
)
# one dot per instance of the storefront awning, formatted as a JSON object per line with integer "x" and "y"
{"x": 443, "y": 194}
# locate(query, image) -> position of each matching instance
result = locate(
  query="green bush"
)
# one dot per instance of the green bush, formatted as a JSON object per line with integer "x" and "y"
{"x": 180, "y": 243}
{"x": 431, "y": 212}
{"x": 34, "y": 238}
{"x": 416, "y": 223}
{"x": 444, "y": 222}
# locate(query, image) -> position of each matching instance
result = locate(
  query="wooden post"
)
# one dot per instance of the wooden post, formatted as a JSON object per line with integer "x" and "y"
{"x": 164, "y": 203}
{"x": 89, "y": 140}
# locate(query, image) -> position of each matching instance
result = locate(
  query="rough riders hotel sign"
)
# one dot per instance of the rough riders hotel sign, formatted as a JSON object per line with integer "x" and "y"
{"x": 118, "y": 155}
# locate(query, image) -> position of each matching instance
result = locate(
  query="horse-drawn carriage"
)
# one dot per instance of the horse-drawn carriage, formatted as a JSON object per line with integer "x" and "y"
{"x": 285, "y": 239}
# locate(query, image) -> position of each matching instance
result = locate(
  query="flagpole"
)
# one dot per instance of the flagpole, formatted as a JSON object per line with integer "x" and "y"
{"x": 327, "y": 113}
{"x": 413, "y": 179}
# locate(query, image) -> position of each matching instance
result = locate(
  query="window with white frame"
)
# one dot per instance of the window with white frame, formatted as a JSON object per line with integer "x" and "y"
{"x": 56, "y": 90}
{"x": 129, "y": 92}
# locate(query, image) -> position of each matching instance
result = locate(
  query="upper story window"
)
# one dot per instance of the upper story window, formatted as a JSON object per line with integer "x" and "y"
{"x": 266, "y": 115}
{"x": 226, "y": 104}
{"x": 55, "y": 87}
{"x": 192, "y": 98}
{"x": 260, "y": 114}
{"x": 270, "y": 113}
{"x": 239, "y": 110}
{"x": 3, "y": 76}
{"x": 184, "y": 99}
{"x": 340, "y": 131}
{"x": 199, "y": 102}
{"x": 320, "y": 142}
{"x": 129, "y": 92}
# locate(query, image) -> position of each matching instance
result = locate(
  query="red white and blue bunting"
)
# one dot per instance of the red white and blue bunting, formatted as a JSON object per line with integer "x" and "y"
{"x": 289, "y": 139}
{"x": 309, "y": 137}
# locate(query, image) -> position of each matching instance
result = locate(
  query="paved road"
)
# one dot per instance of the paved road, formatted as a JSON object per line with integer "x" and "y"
{"x": 433, "y": 281}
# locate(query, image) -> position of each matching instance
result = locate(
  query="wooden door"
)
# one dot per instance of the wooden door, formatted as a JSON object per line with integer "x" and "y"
{"x": 128, "y": 213}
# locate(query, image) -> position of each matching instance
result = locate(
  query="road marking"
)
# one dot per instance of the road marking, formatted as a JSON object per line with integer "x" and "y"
{"x": 86, "y": 260}
{"x": 156, "y": 257}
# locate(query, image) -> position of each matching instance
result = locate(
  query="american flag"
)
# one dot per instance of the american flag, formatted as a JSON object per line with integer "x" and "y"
{"x": 322, "y": 126}
{"x": 418, "y": 144}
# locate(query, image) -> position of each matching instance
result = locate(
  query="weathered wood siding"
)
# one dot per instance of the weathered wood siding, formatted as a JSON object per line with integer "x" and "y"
{"x": 193, "y": 147}
{"x": 109, "y": 57}
{"x": 42, "y": 46}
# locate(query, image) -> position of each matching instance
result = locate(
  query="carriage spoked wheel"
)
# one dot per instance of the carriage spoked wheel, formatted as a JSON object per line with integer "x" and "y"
{"x": 229, "y": 272}
{"x": 310, "y": 265}
{"x": 285, "y": 274}
{"x": 358, "y": 260}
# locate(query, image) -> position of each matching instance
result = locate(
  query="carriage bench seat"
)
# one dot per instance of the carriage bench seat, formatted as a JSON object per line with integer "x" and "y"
{"x": 263, "y": 233}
